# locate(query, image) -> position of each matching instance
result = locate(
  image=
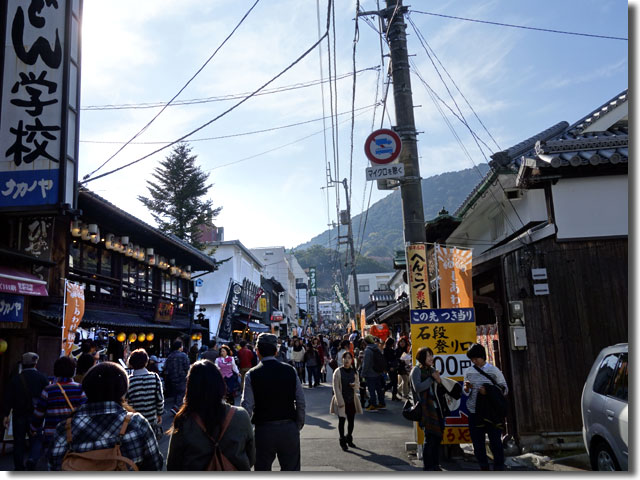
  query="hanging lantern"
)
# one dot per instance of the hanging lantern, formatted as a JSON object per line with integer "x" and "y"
{"x": 141, "y": 337}
{"x": 194, "y": 336}
{"x": 199, "y": 336}
{"x": 108, "y": 241}
{"x": 76, "y": 228}
{"x": 3, "y": 346}
{"x": 150, "y": 337}
{"x": 121, "y": 337}
{"x": 132, "y": 337}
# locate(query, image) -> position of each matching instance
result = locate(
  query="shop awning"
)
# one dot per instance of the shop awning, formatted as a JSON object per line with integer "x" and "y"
{"x": 253, "y": 326}
{"x": 386, "y": 312}
{"x": 21, "y": 283}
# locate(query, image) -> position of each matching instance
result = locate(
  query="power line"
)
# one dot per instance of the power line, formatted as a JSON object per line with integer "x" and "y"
{"x": 356, "y": 35}
{"x": 221, "y": 98}
{"x": 177, "y": 94}
{"x": 221, "y": 137}
{"x": 523, "y": 26}
{"x": 295, "y": 62}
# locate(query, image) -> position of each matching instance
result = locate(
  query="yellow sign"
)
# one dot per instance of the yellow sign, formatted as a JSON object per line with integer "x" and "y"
{"x": 263, "y": 305}
{"x": 454, "y": 270}
{"x": 418, "y": 278}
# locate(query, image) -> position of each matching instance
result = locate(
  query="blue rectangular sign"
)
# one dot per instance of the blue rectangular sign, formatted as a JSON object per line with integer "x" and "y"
{"x": 11, "y": 308}
{"x": 22, "y": 188}
{"x": 443, "y": 315}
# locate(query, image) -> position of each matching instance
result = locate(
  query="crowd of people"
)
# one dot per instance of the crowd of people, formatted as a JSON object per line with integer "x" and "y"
{"x": 92, "y": 406}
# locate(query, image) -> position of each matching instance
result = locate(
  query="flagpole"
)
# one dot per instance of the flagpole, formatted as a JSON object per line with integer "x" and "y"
{"x": 64, "y": 311}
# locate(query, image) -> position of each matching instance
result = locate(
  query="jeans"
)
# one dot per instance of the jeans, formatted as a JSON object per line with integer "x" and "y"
{"x": 375, "y": 385}
{"x": 178, "y": 391}
{"x": 479, "y": 447}
{"x": 20, "y": 429}
{"x": 313, "y": 375}
{"x": 281, "y": 439}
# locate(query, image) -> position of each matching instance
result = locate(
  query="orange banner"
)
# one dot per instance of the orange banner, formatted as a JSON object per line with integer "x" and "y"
{"x": 74, "y": 310}
{"x": 454, "y": 270}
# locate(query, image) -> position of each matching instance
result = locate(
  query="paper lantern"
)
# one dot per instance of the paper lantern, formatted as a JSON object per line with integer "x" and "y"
{"x": 194, "y": 336}
{"x": 141, "y": 337}
{"x": 121, "y": 337}
{"x": 150, "y": 337}
{"x": 132, "y": 337}
{"x": 3, "y": 346}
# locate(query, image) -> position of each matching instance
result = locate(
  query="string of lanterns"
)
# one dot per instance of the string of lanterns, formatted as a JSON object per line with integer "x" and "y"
{"x": 132, "y": 337}
{"x": 91, "y": 233}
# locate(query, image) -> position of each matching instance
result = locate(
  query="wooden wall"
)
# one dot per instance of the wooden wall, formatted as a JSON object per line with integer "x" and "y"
{"x": 585, "y": 311}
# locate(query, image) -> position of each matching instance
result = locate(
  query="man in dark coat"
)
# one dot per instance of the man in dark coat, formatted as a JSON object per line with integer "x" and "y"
{"x": 274, "y": 398}
{"x": 176, "y": 368}
{"x": 23, "y": 391}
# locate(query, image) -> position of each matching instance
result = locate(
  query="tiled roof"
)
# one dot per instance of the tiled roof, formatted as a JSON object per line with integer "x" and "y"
{"x": 382, "y": 296}
{"x": 598, "y": 113}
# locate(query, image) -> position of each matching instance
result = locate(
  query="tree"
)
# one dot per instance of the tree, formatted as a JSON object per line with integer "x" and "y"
{"x": 175, "y": 201}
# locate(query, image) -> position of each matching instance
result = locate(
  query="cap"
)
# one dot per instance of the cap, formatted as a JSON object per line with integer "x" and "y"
{"x": 370, "y": 339}
{"x": 267, "y": 339}
{"x": 30, "y": 358}
{"x": 153, "y": 358}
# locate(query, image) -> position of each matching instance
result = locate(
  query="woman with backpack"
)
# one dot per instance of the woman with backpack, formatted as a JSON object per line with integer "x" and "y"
{"x": 206, "y": 425}
{"x": 229, "y": 370}
{"x": 105, "y": 427}
{"x": 145, "y": 391}
{"x": 424, "y": 382}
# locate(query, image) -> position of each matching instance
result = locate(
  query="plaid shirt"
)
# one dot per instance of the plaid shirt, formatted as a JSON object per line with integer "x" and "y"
{"x": 96, "y": 426}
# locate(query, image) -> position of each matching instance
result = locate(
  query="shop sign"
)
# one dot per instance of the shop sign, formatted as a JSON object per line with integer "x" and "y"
{"x": 164, "y": 312}
{"x": 11, "y": 308}
{"x": 39, "y": 104}
{"x": 36, "y": 234}
{"x": 418, "y": 279}
{"x": 313, "y": 289}
{"x": 72, "y": 313}
{"x": 454, "y": 271}
{"x": 277, "y": 316}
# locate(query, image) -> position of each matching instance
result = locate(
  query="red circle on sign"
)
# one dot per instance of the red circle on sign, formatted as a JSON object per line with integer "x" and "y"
{"x": 382, "y": 146}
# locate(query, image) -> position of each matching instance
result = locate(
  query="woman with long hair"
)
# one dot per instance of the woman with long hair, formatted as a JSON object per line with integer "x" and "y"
{"x": 345, "y": 402}
{"x": 312, "y": 362}
{"x": 403, "y": 354}
{"x": 197, "y": 425}
{"x": 229, "y": 370}
{"x": 297, "y": 357}
{"x": 424, "y": 382}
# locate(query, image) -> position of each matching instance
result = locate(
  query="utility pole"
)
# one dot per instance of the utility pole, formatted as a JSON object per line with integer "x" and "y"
{"x": 410, "y": 186}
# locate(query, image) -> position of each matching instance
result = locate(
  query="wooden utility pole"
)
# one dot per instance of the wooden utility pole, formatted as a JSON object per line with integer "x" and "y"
{"x": 410, "y": 184}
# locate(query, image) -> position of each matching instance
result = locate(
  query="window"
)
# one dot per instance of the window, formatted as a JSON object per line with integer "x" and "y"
{"x": 619, "y": 383}
{"x": 89, "y": 258}
{"x": 74, "y": 254}
{"x": 605, "y": 373}
{"x": 105, "y": 263}
{"x": 363, "y": 288}
{"x": 383, "y": 286}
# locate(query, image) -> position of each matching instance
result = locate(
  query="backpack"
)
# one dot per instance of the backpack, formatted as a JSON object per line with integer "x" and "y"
{"x": 379, "y": 363}
{"x": 218, "y": 462}
{"x": 104, "y": 459}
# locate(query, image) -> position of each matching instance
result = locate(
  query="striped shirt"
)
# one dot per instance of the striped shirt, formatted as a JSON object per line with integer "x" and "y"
{"x": 53, "y": 407}
{"x": 145, "y": 394}
{"x": 478, "y": 380}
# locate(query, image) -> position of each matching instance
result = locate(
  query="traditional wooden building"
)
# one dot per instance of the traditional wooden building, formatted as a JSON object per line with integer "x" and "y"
{"x": 549, "y": 229}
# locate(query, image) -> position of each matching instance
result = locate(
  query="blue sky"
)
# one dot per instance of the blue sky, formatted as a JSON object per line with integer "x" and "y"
{"x": 518, "y": 81}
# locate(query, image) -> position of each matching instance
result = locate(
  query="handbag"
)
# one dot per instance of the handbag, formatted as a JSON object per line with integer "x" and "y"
{"x": 412, "y": 411}
{"x": 333, "y": 364}
{"x": 491, "y": 407}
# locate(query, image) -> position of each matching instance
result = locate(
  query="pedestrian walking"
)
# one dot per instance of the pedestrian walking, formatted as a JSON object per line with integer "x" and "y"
{"x": 21, "y": 395}
{"x": 297, "y": 356}
{"x": 275, "y": 401}
{"x": 477, "y": 381}
{"x": 229, "y": 370}
{"x": 176, "y": 368}
{"x": 345, "y": 402}
{"x": 424, "y": 381}
{"x": 403, "y": 353}
{"x": 392, "y": 362}
{"x": 245, "y": 358}
{"x": 312, "y": 362}
{"x": 211, "y": 353}
{"x": 205, "y": 421}
{"x": 104, "y": 422}
{"x": 145, "y": 393}
{"x": 372, "y": 369}
{"x": 344, "y": 347}
{"x": 85, "y": 362}
{"x": 57, "y": 402}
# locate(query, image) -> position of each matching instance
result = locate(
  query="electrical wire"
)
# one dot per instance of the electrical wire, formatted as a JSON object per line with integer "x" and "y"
{"x": 233, "y": 135}
{"x": 221, "y": 98}
{"x": 143, "y": 129}
{"x": 356, "y": 36}
{"x": 522, "y": 26}
{"x": 289, "y": 67}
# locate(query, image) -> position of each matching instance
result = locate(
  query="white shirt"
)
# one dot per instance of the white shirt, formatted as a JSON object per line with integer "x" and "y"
{"x": 477, "y": 380}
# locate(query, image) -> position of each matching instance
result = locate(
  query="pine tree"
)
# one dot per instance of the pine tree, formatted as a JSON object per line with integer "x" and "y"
{"x": 175, "y": 201}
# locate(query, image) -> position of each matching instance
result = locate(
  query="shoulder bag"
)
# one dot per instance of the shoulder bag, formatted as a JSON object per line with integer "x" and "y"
{"x": 491, "y": 407}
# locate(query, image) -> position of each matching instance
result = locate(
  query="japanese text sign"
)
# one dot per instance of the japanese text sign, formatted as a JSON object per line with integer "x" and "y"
{"x": 11, "y": 308}
{"x": 418, "y": 279}
{"x": 39, "y": 109}
{"x": 73, "y": 312}
{"x": 313, "y": 288}
{"x": 454, "y": 271}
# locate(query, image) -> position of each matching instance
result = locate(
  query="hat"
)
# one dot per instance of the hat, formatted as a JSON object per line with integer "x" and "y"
{"x": 370, "y": 339}
{"x": 153, "y": 358}
{"x": 267, "y": 339}
{"x": 30, "y": 358}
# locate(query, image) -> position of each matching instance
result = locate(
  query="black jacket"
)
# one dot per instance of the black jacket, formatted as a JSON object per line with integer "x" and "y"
{"x": 21, "y": 399}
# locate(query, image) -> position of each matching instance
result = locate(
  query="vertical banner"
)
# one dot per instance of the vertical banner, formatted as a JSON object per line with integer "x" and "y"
{"x": 73, "y": 310}
{"x": 234, "y": 291}
{"x": 454, "y": 271}
{"x": 313, "y": 288}
{"x": 418, "y": 279}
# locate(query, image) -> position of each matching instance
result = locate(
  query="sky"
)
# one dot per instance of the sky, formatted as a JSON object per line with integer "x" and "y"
{"x": 271, "y": 185}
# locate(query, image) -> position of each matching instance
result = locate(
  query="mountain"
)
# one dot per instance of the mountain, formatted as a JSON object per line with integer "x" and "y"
{"x": 383, "y": 228}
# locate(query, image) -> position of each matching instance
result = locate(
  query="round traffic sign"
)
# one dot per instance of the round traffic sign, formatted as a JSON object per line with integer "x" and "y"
{"x": 382, "y": 146}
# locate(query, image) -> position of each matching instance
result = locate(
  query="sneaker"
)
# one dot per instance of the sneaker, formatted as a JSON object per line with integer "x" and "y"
{"x": 174, "y": 411}
{"x": 382, "y": 406}
{"x": 371, "y": 408}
